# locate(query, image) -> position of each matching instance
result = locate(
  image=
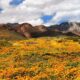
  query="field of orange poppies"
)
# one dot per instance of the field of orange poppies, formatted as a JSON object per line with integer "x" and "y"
{"x": 46, "y": 58}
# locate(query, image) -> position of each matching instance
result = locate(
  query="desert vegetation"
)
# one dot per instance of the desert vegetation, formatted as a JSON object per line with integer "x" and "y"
{"x": 45, "y": 58}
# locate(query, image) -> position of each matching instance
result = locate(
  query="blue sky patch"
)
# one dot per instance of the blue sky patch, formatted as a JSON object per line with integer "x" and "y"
{"x": 64, "y": 19}
{"x": 46, "y": 18}
{"x": 16, "y": 2}
{"x": 1, "y": 10}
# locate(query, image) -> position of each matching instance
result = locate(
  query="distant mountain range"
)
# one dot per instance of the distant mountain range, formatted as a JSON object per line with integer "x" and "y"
{"x": 28, "y": 31}
{"x": 67, "y": 27}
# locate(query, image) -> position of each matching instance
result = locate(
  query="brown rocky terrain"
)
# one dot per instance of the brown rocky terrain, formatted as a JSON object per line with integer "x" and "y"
{"x": 28, "y": 31}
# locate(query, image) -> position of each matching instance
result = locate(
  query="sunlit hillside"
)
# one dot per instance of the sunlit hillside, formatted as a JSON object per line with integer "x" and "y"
{"x": 46, "y": 58}
{"x": 9, "y": 35}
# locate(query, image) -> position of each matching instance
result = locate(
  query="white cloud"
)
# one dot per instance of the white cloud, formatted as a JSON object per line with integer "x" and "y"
{"x": 32, "y": 11}
{"x": 5, "y": 4}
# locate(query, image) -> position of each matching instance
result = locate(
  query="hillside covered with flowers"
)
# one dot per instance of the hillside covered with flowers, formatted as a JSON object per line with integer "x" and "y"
{"x": 46, "y": 58}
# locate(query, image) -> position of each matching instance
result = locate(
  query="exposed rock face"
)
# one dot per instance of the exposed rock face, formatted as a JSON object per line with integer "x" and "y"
{"x": 41, "y": 28}
{"x": 62, "y": 27}
{"x": 66, "y": 27}
{"x": 75, "y": 28}
{"x": 12, "y": 26}
{"x": 28, "y": 31}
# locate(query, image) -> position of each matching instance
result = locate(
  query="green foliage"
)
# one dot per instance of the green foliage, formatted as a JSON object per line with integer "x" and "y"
{"x": 73, "y": 64}
{"x": 5, "y": 43}
{"x": 53, "y": 77}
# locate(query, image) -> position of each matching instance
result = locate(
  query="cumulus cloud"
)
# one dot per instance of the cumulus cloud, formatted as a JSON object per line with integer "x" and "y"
{"x": 32, "y": 11}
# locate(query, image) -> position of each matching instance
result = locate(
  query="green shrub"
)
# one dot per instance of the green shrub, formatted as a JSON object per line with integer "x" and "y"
{"x": 5, "y": 43}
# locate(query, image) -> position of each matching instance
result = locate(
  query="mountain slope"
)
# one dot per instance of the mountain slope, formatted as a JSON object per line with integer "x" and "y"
{"x": 7, "y": 34}
{"x": 19, "y": 31}
{"x": 66, "y": 27}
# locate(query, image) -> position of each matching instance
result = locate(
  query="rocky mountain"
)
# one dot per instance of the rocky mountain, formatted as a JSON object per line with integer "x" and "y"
{"x": 25, "y": 29}
{"x": 28, "y": 31}
{"x": 66, "y": 27}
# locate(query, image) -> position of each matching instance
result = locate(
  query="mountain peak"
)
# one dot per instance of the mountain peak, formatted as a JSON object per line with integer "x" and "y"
{"x": 28, "y": 30}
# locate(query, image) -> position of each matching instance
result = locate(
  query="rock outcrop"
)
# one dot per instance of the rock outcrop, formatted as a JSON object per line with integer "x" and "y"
{"x": 28, "y": 31}
{"x": 67, "y": 27}
{"x": 41, "y": 28}
{"x": 25, "y": 29}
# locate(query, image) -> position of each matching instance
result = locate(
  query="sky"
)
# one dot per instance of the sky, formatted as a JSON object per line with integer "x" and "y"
{"x": 38, "y": 12}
